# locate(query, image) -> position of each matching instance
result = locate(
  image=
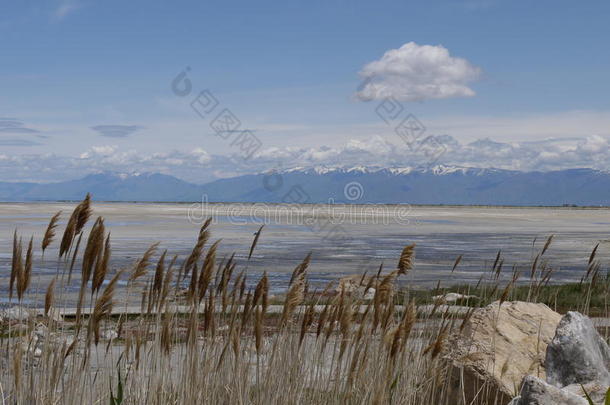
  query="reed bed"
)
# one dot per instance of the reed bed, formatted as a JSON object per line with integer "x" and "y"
{"x": 200, "y": 336}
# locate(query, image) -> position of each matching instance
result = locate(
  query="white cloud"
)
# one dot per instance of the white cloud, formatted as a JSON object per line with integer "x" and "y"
{"x": 65, "y": 8}
{"x": 104, "y": 150}
{"x": 417, "y": 72}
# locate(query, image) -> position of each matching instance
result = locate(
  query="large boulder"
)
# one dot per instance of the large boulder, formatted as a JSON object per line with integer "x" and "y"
{"x": 498, "y": 346}
{"x": 577, "y": 354}
{"x": 535, "y": 391}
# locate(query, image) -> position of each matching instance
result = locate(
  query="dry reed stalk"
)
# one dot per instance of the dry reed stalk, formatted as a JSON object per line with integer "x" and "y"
{"x": 257, "y": 234}
{"x": 322, "y": 320}
{"x": 80, "y": 238}
{"x": 237, "y": 286}
{"x": 388, "y": 314}
{"x": 83, "y": 214}
{"x": 593, "y": 253}
{"x": 405, "y": 263}
{"x": 496, "y": 261}
{"x": 157, "y": 284}
{"x": 258, "y": 290}
{"x": 455, "y": 264}
{"x": 293, "y": 298}
{"x": 224, "y": 287}
{"x": 436, "y": 347}
{"x": 391, "y": 339}
{"x": 17, "y": 264}
{"x": 75, "y": 224}
{"x": 227, "y": 269}
{"x": 381, "y": 299}
{"x": 408, "y": 320}
{"x": 258, "y": 331}
{"x": 103, "y": 308}
{"x": 345, "y": 323}
{"x": 300, "y": 269}
{"x": 165, "y": 338}
{"x": 247, "y": 311}
{"x": 68, "y": 235}
{"x": 547, "y": 244}
{"x": 207, "y": 270}
{"x": 141, "y": 266}
{"x": 49, "y": 297}
{"x": 242, "y": 286}
{"x": 101, "y": 266}
{"x": 202, "y": 238}
{"x": 209, "y": 324}
{"x": 167, "y": 282}
{"x": 23, "y": 282}
{"x": 17, "y": 355}
{"x": 385, "y": 289}
{"x": 307, "y": 322}
{"x": 144, "y": 299}
{"x": 534, "y": 267}
{"x": 499, "y": 269}
{"x": 50, "y": 232}
{"x": 505, "y": 293}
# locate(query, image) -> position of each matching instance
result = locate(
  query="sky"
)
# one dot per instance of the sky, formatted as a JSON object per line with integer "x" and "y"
{"x": 206, "y": 90}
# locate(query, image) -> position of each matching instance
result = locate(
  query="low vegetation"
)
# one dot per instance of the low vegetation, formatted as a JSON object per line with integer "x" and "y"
{"x": 200, "y": 336}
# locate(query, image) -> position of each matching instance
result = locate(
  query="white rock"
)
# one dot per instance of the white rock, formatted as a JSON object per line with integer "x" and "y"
{"x": 41, "y": 330}
{"x": 369, "y": 295}
{"x": 17, "y": 313}
{"x": 452, "y": 297}
{"x": 109, "y": 334}
{"x": 356, "y": 286}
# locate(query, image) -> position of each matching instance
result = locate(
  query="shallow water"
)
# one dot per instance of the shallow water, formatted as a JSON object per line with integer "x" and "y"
{"x": 342, "y": 239}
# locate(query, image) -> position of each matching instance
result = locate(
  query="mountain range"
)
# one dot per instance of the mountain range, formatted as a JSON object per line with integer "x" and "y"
{"x": 432, "y": 185}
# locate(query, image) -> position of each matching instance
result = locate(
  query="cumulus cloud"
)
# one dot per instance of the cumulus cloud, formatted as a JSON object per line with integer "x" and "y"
{"x": 104, "y": 150}
{"x": 116, "y": 131}
{"x": 417, "y": 72}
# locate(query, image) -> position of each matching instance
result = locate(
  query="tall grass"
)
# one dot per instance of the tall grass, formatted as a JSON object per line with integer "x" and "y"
{"x": 200, "y": 336}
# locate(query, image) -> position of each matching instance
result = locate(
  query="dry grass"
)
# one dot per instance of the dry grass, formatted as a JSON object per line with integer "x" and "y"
{"x": 225, "y": 345}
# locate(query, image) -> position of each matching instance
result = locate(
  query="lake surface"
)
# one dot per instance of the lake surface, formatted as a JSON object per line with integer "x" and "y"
{"x": 343, "y": 239}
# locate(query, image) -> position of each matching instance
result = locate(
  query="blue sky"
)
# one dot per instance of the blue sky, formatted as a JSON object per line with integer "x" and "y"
{"x": 74, "y": 72}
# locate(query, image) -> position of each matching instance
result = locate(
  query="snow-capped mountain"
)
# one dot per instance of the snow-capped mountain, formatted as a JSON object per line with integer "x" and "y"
{"x": 359, "y": 184}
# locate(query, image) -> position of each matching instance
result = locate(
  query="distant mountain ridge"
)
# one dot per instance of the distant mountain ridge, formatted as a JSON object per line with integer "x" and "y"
{"x": 433, "y": 185}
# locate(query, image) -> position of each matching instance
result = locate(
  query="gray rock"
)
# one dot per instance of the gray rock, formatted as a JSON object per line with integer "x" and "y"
{"x": 109, "y": 334}
{"x": 577, "y": 354}
{"x": 534, "y": 391}
{"x": 595, "y": 390}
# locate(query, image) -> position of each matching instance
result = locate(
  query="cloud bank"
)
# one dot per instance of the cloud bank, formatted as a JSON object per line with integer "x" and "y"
{"x": 417, "y": 72}
{"x": 200, "y": 166}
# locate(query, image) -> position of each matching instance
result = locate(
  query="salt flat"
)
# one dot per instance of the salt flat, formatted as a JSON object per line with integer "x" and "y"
{"x": 343, "y": 239}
